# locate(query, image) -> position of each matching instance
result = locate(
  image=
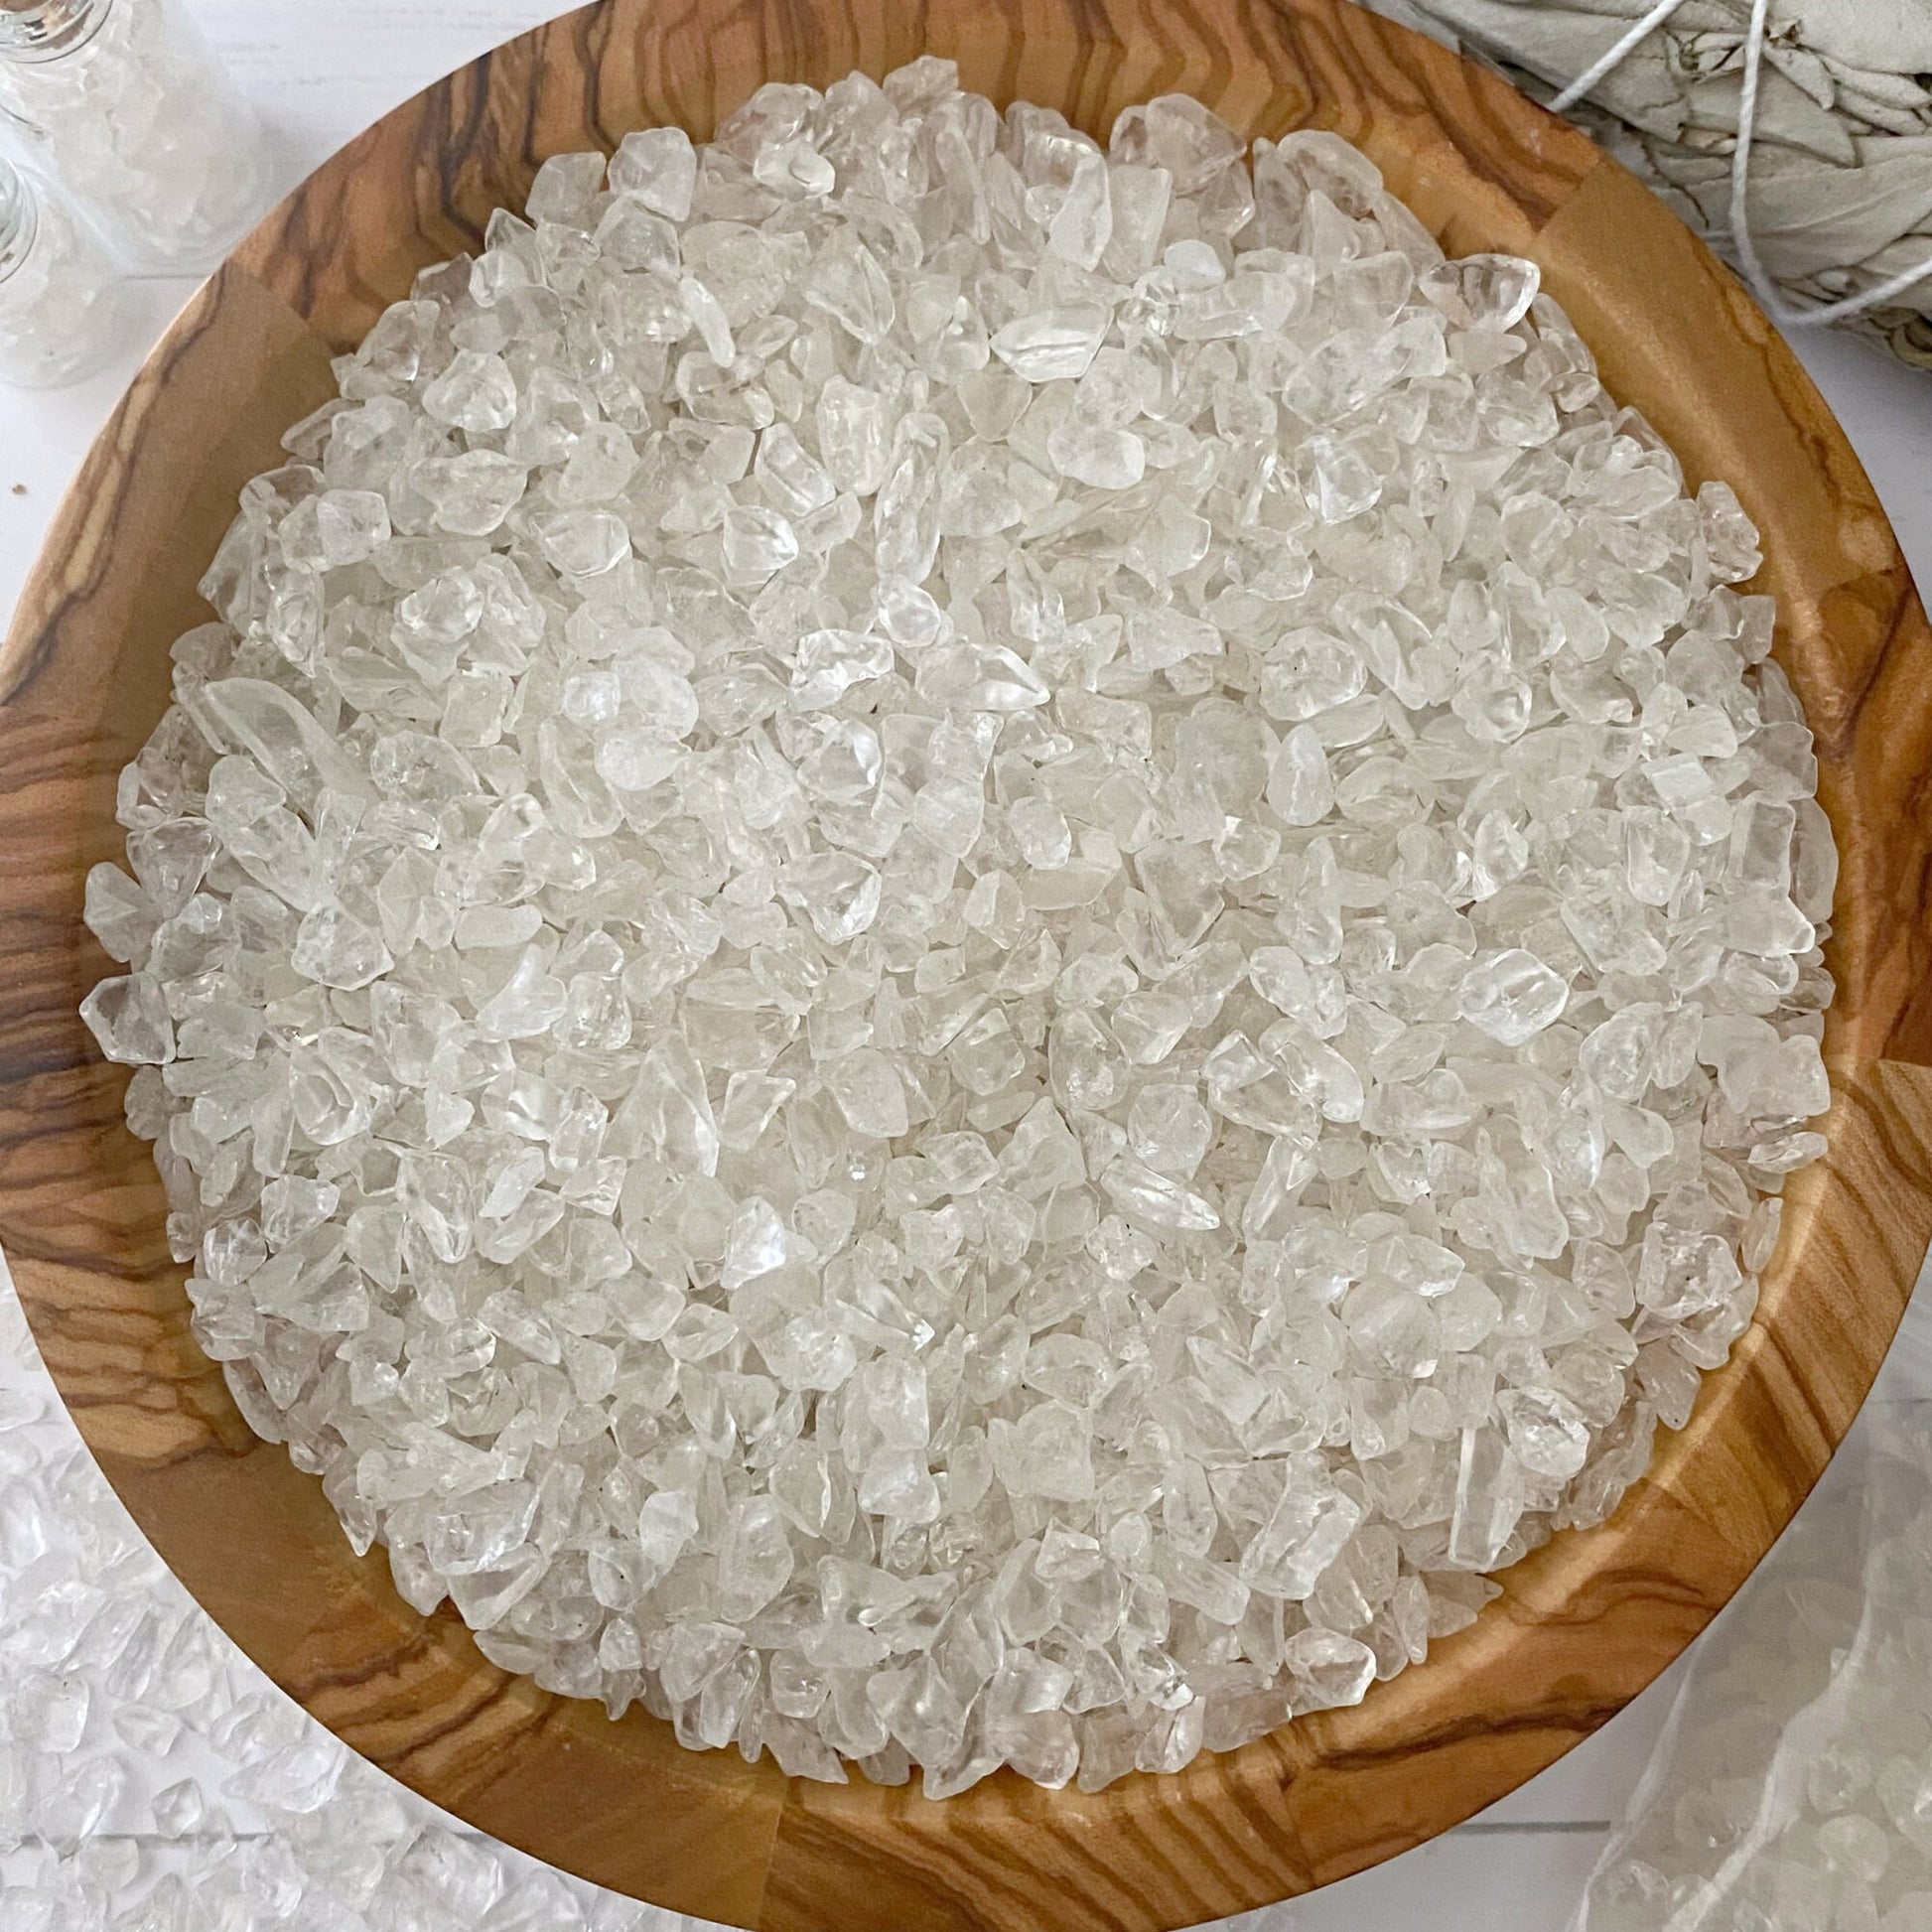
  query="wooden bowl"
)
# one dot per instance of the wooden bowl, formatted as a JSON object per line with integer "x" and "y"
{"x": 1584, "y": 1624}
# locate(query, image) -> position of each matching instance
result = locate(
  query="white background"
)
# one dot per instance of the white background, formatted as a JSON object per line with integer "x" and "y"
{"x": 320, "y": 71}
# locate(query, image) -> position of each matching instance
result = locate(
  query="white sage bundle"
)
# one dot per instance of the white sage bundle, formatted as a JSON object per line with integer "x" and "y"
{"x": 1835, "y": 97}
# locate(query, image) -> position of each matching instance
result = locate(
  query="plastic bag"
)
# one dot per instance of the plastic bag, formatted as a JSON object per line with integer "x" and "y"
{"x": 1792, "y": 1790}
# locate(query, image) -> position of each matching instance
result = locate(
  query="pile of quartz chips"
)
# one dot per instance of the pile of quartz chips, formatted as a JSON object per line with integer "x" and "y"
{"x": 961, "y": 951}
{"x": 153, "y": 1780}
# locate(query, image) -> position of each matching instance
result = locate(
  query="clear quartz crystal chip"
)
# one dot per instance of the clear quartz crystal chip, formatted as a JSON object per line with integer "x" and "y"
{"x": 1055, "y": 346}
{"x": 1512, "y": 995}
{"x": 660, "y": 166}
{"x": 1300, "y": 791}
{"x": 870, "y": 1093}
{"x": 129, "y": 1017}
{"x": 959, "y": 951}
{"x": 1490, "y": 294}
{"x": 838, "y": 893}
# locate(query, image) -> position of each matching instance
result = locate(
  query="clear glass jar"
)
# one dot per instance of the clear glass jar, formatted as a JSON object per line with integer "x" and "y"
{"x": 123, "y": 103}
{"x": 63, "y": 306}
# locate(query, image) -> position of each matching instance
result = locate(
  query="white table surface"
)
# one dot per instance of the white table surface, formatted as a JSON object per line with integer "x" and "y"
{"x": 320, "y": 71}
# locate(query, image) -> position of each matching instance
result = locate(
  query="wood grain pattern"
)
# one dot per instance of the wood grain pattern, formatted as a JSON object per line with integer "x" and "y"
{"x": 1583, "y": 1625}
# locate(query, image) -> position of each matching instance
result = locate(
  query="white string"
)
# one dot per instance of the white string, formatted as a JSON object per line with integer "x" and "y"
{"x": 1817, "y": 316}
{"x": 1615, "y": 57}
{"x": 1813, "y": 316}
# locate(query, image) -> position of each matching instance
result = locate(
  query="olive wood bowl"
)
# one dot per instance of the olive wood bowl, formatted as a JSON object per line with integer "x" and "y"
{"x": 1583, "y": 1625}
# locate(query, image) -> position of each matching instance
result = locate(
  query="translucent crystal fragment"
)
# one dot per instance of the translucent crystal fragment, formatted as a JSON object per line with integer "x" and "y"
{"x": 660, "y": 166}
{"x": 1512, "y": 995}
{"x": 1055, "y": 346}
{"x": 129, "y": 1016}
{"x": 1486, "y": 293}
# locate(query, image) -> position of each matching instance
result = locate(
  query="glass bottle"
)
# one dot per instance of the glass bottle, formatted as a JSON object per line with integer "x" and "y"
{"x": 64, "y": 307}
{"x": 123, "y": 104}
